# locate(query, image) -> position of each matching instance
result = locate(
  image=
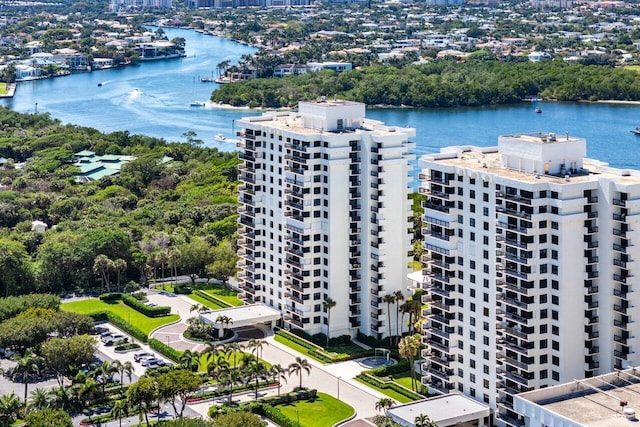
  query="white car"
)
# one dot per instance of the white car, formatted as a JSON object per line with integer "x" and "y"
{"x": 138, "y": 357}
{"x": 151, "y": 361}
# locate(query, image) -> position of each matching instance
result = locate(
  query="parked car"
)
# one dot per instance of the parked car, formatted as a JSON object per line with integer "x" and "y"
{"x": 99, "y": 330}
{"x": 138, "y": 357}
{"x": 111, "y": 339}
{"x": 151, "y": 361}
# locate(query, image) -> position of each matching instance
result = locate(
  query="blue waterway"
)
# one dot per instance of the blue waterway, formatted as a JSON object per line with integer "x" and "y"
{"x": 168, "y": 87}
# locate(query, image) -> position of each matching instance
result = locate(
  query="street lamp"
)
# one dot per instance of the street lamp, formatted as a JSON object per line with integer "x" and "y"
{"x": 339, "y": 388}
{"x": 298, "y": 417}
{"x": 167, "y": 339}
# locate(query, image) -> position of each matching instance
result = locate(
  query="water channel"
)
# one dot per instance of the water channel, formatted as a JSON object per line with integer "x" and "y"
{"x": 154, "y": 98}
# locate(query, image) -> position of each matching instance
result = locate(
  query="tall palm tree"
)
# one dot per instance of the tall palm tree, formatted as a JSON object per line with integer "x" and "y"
{"x": 389, "y": 299}
{"x": 119, "y": 410}
{"x": 384, "y": 404}
{"x": 101, "y": 265}
{"x": 256, "y": 345}
{"x": 174, "y": 257}
{"x": 123, "y": 369}
{"x": 328, "y": 304}
{"x": 119, "y": 266}
{"x": 235, "y": 348}
{"x": 86, "y": 391}
{"x": 408, "y": 348}
{"x": 27, "y": 365}
{"x": 39, "y": 399}
{"x": 255, "y": 370}
{"x": 190, "y": 360}
{"x": 399, "y": 297}
{"x": 10, "y": 405}
{"x": 278, "y": 373}
{"x": 231, "y": 378}
{"x": 103, "y": 374}
{"x": 299, "y": 366}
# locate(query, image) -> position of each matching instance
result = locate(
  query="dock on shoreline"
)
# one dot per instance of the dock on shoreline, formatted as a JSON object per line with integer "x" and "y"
{"x": 11, "y": 90}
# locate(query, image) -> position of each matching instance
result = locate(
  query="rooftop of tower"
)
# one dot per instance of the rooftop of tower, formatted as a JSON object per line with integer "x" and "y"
{"x": 594, "y": 402}
{"x": 530, "y": 158}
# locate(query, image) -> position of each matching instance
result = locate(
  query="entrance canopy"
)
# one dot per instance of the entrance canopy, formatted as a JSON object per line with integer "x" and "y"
{"x": 246, "y": 315}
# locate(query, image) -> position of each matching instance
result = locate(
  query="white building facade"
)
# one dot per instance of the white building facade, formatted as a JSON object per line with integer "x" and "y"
{"x": 530, "y": 267}
{"x": 324, "y": 214}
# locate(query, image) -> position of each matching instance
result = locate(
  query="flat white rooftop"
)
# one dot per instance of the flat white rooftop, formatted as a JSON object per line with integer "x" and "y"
{"x": 245, "y": 315}
{"x": 445, "y": 410}
{"x": 591, "y": 402}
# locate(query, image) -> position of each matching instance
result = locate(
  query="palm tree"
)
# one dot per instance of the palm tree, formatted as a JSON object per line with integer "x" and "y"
{"x": 389, "y": 299}
{"x": 119, "y": 266}
{"x": 298, "y": 366}
{"x": 278, "y": 373}
{"x": 423, "y": 420}
{"x": 101, "y": 265}
{"x": 103, "y": 374}
{"x": 119, "y": 410}
{"x": 86, "y": 391}
{"x": 256, "y": 370}
{"x": 232, "y": 377}
{"x": 123, "y": 369}
{"x": 223, "y": 320}
{"x": 26, "y": 366}
{"x": 235, "y": 348}
{"x": 190, "y": 360}
{"x": 328, "y": 304}
{"x": 408, "y": 348}
{"x": 39, "y": 399}
{"x": 174, "y": 257}
{"x": 256, "y": 345}
{"x": 10, "y": 405}
{"x": 399, "y": 297}
{"x": 384, "y": 404}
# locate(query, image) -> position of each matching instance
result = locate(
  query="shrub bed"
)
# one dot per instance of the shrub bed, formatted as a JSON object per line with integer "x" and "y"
{"x": 212, "y": 299}
{"x": 385, "y": 371}
{"x": 145, "y": 309}
{"x": 165, "y": 350}
{"x": 319, "y": 353}
{"x": 112, "y": 296}
{"x": 120, "y": 323}
{"x": 377, "y": 382}
{"x": 262, "y": 405}
{"x": 373, "y": 342}
{"x": 126, "y": 347}
{"x": 182, "y": 289}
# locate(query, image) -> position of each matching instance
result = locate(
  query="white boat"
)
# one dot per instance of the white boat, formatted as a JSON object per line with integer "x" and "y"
{"x": 221, "y": 138}
{"x": 198, "y": 104}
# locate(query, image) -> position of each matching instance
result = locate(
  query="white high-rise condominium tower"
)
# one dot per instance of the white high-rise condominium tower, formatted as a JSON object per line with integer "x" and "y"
{"x": 530, "y": 270}
{"x": 324, "y": 213}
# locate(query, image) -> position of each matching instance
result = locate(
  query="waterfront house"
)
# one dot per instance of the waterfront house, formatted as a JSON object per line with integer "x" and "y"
{"x": 289, "y": 70}
{"x": 159, "y": 49}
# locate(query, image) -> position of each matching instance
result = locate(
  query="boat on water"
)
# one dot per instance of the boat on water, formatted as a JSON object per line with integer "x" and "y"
{"x": 223, "y": 80}
{"x": 636, "y": 131}
{"x": 99, "y": 84}
{"x": 198, "y": 104}
{"x": 538, "y": 110}
{"x": 220, "y": 138}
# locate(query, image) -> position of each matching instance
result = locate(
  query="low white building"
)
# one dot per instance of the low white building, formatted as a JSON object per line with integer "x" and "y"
{"x": 447, "y": 410}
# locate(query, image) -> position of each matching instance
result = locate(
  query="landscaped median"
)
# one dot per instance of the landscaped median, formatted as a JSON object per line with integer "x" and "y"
{"x": 318, "y": 353}
{"x": 384, "y": 380}
{"x": 299, "y": 408}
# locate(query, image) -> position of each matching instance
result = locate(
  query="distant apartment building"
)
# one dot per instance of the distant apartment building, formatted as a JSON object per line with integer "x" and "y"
{"x": 530, "y": 267}
{"x": 125, "y": 5}
{"x": 223, "y": 4}
{"x": 324, "y": 213}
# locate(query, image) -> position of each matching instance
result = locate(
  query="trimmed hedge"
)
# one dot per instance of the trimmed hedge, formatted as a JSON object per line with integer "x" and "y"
{"x": 145, "y": 309}
{"x": 120, "y": 323}
{"x": 265, "y": 407}
{"x": 374, "y": 342}
{"x": 165, "y": 350}
{"x": 182, "y": 289}
{"x": 385, "y": 371}
{"x": 112, "y": 296}
{"x": 370, "y": 379}
{"x": 212, "y": 299}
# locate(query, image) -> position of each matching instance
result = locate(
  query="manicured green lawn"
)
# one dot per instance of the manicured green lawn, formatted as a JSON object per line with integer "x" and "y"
{"x": 403, "y": 378}
{"x": 142, "y": 322}
{"x": 388, "y": 392}
{"x": 345, "y": 349}
{"x": 212, "y": 305}
{"x": 297, "y": 347}
{"x": 226, "y": 295}
{"x": 323, "y": 411}
{"x": 3, "y": 88}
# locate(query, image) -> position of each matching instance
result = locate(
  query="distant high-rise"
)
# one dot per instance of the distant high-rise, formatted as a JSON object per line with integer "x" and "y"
{"x": 530, "y": 271}
{"x": 324, "y": 213}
